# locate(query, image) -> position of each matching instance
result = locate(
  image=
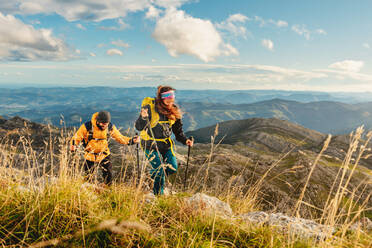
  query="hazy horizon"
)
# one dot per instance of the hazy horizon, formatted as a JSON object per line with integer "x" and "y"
{"x": 42, "y": 86}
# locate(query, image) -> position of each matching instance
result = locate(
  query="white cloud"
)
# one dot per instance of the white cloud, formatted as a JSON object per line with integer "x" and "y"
{"x": 228, "y": 50}
{"x": 268, "y": 44}
{"x": 121, "y": 26}
{"x": 321, "y": 31}
{"x": 22, "y": 42}
{"x": 80, "y": 26}
{"x": 77, "y": 51}
{"x": 220, "y": 74}
{"x": 348, "y": 65}
{"x": 35, "y": 22}
{"x": 89, "y": 10}
{"x": 31, "y": 7}
{"x": 234, "y": 25}
{"x": 183, "y": 34}
{"x": 366, "y": 45}
{"x": 153, "y": 13}
{"x": 301, "y": 30}
{"x": 92, "y": 54}
{"x": 202, "y": 75}
{"x": 170, "y": 3}
{"x": 347, "y": 75}
{"x": 234, "y": 76}
{"x": 262, "y": 22}
{"x": 112, "y": 52}
{"x": 120, "y": 43}
{"x": 237, "y": 18}
{"x": 304, "y": 31}
{"x": 281, "y": 23}
{"x": 233, "y": 20}
{"x": 9, "y": 6}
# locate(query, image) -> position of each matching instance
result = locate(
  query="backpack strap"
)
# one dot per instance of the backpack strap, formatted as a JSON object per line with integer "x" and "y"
{"x": 89, "y": 127}
{"x": 109, "y": 130}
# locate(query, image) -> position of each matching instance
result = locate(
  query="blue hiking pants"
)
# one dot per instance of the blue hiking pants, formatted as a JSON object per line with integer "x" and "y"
{"x": 159, "y": 171}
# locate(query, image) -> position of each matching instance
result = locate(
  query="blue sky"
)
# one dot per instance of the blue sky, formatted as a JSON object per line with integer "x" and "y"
{"x": 207, "y": 44}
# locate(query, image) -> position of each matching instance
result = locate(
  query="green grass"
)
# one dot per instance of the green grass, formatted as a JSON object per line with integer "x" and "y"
{"x": 65, "y": 209}
{"x": 361, "y": 171}
{"x": 69, "y": 214}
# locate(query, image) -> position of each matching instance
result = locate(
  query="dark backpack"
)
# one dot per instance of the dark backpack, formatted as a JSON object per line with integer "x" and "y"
{"x": 89, "y": 127}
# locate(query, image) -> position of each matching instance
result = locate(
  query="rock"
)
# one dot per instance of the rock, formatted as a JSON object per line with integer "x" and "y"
{"x": 365, "y": 224}
{"x": 298, "y": 226}
{"x": 255, "y": 217}
{"x": 149, "y": 197}
{"x": 209, "y": 204}
{"x": 168, "y": 190}
{"x": 94, "y": 187}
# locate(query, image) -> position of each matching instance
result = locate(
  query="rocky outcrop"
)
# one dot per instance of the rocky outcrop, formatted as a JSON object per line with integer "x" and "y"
{"x": 209, "y": 204}
{"x": 292, "y": 225}
{"x": 18, "y": 129}
{"x": 364, "y": 224}
{"x": 295, "y": 226}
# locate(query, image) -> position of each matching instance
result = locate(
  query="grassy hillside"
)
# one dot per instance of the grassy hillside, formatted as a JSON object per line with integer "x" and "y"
{"x": 66, "y": 212}
{"x": 44, "y": 200}
{"x": 277, "y": 136}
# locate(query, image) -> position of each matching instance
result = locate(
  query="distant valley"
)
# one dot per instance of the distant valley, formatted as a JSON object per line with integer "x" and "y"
{"x": 323, "y": 112}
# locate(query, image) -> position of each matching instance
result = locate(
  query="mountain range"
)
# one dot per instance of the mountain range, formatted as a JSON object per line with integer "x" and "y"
{"x": 275, "y": 136}
{"x": 324, "y": 112}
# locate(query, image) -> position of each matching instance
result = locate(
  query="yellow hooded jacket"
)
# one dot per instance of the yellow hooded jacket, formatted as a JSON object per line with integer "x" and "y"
{"x": 97, "y": 148}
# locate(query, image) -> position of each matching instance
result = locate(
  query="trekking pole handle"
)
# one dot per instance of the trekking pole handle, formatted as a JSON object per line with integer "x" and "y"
{"x": 138, "y": 163}
{"x": 136, "y": 135}
{"x": 187, "y": 164}
{"x": 192, "y": 139}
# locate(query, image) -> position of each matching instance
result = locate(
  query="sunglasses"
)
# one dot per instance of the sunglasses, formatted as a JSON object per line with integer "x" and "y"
{"x": 168, "y": 95}
{"x": 102, "y": 124}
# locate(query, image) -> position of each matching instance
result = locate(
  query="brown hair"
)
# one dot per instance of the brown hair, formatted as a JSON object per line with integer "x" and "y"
{"x": 172, "y": 112}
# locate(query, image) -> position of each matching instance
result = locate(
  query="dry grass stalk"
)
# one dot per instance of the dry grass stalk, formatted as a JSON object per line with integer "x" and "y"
{"x": 332, "y": 205}
{"x": 299, "y": 201}
{"x": 112, "y": 225}
{"x": 67, "y": 164}
{"x": 207, "y": 162}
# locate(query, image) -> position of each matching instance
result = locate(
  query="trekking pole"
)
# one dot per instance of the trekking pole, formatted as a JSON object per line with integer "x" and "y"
{"x": 156, "y": 144}
{"x": 138, "y": 164}
{"x": 187, "y": 164}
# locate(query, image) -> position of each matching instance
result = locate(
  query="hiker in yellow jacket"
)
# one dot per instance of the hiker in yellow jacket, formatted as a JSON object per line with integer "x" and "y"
{"x": 159, "y": 118}
{"x": 94, "y": 136}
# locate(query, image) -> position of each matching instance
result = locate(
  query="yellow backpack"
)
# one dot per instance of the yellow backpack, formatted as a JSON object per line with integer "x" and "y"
{"x": 149, "y": 101}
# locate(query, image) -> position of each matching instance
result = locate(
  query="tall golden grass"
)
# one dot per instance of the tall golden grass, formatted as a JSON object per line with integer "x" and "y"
{"x": 44, "y": 201}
